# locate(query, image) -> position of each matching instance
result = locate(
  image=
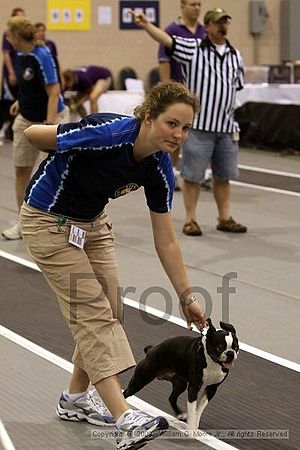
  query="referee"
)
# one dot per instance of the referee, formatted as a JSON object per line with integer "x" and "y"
{"x": 212, "y": 69}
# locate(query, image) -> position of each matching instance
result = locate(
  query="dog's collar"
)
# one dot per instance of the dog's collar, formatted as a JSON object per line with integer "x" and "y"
{"x": 200, "y": 344}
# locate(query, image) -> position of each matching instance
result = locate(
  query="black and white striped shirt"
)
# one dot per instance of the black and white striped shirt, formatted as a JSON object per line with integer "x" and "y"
{"x": 214, "y": 78}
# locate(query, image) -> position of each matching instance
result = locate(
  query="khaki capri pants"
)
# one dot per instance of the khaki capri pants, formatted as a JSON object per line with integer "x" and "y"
{"x": 86, "y": 284}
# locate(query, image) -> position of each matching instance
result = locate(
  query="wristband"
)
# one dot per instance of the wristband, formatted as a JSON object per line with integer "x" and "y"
{"x": 188, "y": 301}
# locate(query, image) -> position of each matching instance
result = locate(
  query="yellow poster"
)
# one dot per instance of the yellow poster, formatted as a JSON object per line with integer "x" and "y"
{"x": 68, "y": 15}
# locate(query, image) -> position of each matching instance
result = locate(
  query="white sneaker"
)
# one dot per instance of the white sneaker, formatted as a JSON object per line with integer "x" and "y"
{"x": 208, "y": 175}
{"x": 89, "y": 408}
{"x": 206, "y": 183}
{"x": 137, "y": 428}
{"x": 13, "y": 232}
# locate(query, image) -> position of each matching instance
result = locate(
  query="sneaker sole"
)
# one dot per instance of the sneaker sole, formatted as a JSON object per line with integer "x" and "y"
{"x": 11, "y": 238}
{"x": 65, "y": 414}
{"x": 142, "y": 443}
{"x": 144, "y": 440}
{"x": 137, "y": 446}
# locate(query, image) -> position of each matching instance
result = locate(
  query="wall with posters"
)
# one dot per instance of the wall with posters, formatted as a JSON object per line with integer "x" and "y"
{"x": 68, "y": 15}
{"x": 100, "y": 40}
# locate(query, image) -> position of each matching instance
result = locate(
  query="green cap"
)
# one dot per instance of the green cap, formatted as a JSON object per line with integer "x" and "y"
{"x": 215, "y": 14}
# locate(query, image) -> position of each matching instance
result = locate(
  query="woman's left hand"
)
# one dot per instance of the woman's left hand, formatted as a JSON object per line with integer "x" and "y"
{"x": 194, "y": 315}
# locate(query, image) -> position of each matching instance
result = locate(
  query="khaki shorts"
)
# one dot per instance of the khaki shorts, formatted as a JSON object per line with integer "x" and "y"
{"x": 24, "y": 154}
{"x": 86, "y": 285}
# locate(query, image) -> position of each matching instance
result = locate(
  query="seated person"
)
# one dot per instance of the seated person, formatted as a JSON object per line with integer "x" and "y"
{"x": 89, "y": 82}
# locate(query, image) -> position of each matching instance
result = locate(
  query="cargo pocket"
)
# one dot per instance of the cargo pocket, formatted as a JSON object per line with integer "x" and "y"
{"x": 110, "y": 229}
{"x": 59, "y": 234}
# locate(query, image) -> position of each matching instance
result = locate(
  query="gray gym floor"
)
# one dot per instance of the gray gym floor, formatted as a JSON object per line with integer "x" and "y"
{"x": 258, "y": 394}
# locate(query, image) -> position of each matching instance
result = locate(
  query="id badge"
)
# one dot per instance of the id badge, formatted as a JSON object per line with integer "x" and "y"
{"x": 235, "y": 136}
{"x": 77, "y": 236}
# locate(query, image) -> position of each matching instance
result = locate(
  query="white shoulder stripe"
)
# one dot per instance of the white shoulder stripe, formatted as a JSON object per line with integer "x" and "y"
{"x": 61, "y": 186}
{"x": 166, "y": 184}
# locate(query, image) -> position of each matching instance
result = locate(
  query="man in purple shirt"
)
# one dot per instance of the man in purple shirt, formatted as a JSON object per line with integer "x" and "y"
{"x": 187, "y": 26}
{"x": 89, "y": 82}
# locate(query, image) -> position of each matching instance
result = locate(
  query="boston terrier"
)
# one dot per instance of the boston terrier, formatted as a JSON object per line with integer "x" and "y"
{"x": 199, "y": 364}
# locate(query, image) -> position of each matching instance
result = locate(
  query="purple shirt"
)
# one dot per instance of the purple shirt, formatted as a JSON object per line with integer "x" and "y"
{"x": 52, "y": 47}
{"x": 7, "y": 47}
{"x": 176, "y": 28}
{"x": 88, "y": 75}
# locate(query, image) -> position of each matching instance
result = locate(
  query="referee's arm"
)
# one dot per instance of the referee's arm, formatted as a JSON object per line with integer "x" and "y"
{"x": 156, "y": 33}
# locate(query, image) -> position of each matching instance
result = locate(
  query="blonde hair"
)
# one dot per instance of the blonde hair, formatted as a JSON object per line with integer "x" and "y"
{"x": 21, "y": 27}
{"x": 164, "y": 95}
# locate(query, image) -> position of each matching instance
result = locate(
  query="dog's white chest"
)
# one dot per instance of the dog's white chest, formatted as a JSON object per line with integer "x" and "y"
{"x": 213, "y": 374}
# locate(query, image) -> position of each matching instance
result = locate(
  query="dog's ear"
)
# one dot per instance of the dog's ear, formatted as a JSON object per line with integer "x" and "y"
{"x": 210, "y": 325}
{"x": 227, "y": 327}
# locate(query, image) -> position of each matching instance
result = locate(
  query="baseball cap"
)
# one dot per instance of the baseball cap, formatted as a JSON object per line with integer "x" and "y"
{"x": 215, "y": 14}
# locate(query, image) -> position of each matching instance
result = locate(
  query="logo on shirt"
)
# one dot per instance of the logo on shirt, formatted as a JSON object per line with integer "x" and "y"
{"x": 126, "y": 189}
{"x": 28, "y": 74}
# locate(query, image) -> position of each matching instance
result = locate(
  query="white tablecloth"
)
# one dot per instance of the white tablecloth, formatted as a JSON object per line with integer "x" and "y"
{"x": 122, "y": 102}
{"x": 285, "y": 94}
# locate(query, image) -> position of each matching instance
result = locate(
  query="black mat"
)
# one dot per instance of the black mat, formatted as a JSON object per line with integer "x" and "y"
{"x": 268, "y": 125}
{"x": 257, "y": 395}
{"x": 270, "y": 180}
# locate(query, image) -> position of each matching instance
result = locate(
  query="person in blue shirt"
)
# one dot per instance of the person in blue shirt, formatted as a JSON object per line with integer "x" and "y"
{"x": 9, "y": 83}
{"x": 41, "y": 36}
{"x": 39, "y": 100}
{"x": 69, "y": 235}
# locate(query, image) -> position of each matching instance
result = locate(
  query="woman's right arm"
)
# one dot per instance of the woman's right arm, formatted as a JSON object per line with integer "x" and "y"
{"x": 42, "y": 137}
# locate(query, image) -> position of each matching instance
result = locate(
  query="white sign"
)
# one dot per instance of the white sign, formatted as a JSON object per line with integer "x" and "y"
{"x": 104, "y": 15}
{"x": 150, "y": 14}
{"x": 78, "y": 15}
{"x": 66, "y": 15}
{"x": 127, "y": 17}
{"x": 54, "y": 15}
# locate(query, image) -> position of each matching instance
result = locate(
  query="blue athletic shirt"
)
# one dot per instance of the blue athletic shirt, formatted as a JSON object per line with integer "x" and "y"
{"x": 94, "y": 162}
{"x": 34, "y": 71}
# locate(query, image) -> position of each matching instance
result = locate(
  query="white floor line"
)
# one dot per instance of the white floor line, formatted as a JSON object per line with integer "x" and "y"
{"x": 5, "y": 439}
{"x": 133, "y": 401}
{"x": 270, "y": 171}
{"x": 173, "y": 319}
{"x": 19, "y": 260}
{"x": 265, "y": 188}
{"x": 36, "y": 349}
